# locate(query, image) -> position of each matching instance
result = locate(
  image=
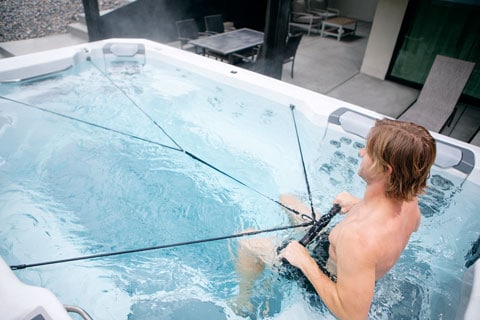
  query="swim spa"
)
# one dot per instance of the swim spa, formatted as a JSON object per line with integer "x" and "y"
{"x": 125, "y": 144}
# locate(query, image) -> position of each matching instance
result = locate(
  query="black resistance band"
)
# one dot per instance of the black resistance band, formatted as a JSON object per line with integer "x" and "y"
{"x": 155, "y": 143}
{"x": 303, "y": 162}
{"x": 134, "y": 103}
{"x": 24, "y": 266}
{"x": 189, "y": 153}
{"x": 178, "y": 244}
{"x": 318, "y": 225}
{"x": 309, "y": 236}
{"x": 25, "y": 104}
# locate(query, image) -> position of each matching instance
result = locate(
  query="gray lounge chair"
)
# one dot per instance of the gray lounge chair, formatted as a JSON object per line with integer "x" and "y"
{"x": 440, "y": 93}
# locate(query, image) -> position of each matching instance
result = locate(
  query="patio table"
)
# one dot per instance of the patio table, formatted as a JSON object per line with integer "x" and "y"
{"x": 227, "y": 43}
{"x": 337, "y": 27}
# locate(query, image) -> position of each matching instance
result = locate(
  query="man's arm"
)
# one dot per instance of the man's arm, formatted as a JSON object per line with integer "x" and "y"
{"x": 351, "y": 296}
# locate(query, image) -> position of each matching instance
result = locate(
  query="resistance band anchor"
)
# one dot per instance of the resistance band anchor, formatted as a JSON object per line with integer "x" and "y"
{"x": 313, "y": 232}
{"x": 319, "y": 225}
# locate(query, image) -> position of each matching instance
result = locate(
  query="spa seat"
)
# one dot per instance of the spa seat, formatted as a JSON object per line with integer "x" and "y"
{"x": 21, "y": 301}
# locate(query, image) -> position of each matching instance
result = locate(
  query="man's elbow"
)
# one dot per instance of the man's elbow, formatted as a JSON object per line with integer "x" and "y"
{"x": 352, "y": 310}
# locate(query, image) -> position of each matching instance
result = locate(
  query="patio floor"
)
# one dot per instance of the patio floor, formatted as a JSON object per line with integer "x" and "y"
{"x": 332, "y": 67}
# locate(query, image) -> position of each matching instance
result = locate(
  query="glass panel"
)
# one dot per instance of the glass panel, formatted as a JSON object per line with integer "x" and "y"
{"x": 438, "y": 28}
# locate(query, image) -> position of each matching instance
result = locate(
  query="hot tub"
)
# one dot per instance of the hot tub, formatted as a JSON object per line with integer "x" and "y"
{"x": 128, "y": 144}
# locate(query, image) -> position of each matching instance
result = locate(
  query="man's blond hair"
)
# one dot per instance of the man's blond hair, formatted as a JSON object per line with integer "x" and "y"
{"x": 408, "y": 149}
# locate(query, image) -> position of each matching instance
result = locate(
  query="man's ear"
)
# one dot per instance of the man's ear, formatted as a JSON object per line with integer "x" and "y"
{"x": 389, "y": 170}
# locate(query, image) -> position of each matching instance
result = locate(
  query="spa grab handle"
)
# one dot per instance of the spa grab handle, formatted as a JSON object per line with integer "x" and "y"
{"x": 82, "y": 313}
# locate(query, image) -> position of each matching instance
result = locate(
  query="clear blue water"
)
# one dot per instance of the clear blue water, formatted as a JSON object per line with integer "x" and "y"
{"x": 100, "y": 176}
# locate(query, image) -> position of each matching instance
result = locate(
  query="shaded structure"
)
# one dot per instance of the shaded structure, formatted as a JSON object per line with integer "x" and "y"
{"x": 155, "y": 20}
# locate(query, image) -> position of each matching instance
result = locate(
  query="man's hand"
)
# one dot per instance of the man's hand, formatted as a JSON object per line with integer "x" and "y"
{"x": 297, "y": 255}
{"x": 346, "y": 201}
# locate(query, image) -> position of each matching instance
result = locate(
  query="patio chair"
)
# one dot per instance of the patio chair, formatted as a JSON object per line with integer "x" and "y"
{"x": 187, "y": 30}
{"x": 247, "y": 59}
{"x": 250, "y": 60}
{"x": 436, "y": 102}
{"x": 291, "y": 50}
{"x": 300, "y": 18}
{"x": 320, "y": 8}
{"x": 214, "y": 24}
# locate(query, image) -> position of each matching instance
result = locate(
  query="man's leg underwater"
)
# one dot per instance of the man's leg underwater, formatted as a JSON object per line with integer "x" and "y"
{"x": 252, "y": 256}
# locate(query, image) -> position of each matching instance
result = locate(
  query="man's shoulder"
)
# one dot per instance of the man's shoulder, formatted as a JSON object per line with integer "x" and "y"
{"x": 357, "y": 234}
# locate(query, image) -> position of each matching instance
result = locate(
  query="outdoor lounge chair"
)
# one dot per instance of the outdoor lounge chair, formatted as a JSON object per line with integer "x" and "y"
{"x": 214, "y": 24}
{"x": 320, "y": 8}
{"x": 440, "y": 93}
{"x": 300, "y": 18}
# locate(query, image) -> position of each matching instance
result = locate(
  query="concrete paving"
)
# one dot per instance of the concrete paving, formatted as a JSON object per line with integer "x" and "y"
{"x": 323, "y": 65}
{"x": 21, "y": 47}
{"x": 332, "y": 67}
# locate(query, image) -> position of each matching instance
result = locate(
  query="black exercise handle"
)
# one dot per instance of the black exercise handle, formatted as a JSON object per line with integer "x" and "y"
{"x": 319, "y": 225}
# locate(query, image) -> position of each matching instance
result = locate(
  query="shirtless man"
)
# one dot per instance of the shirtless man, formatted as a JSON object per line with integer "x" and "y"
{"x": 366, "y": 244}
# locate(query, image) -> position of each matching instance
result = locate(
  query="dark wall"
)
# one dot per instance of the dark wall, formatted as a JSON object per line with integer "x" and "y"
{"x": 247, "y": 13}
{"x": 155, "y": 19}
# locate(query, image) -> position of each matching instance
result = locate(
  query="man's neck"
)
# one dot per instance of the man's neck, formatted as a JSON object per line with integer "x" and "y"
{"x": 375, "y": 194}
{"x": 374, "y": 191}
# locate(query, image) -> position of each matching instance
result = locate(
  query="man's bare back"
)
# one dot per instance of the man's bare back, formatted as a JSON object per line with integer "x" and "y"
{"x": 383, "y": 235}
